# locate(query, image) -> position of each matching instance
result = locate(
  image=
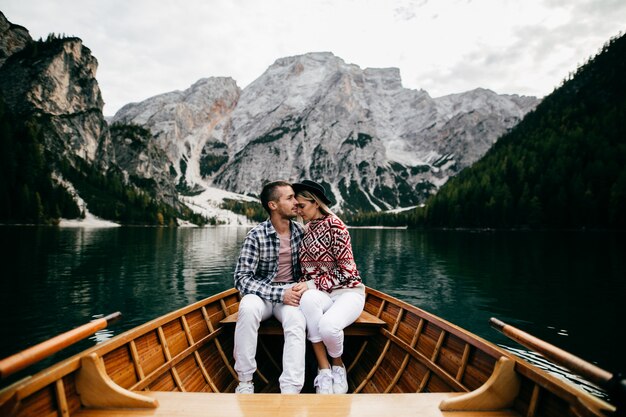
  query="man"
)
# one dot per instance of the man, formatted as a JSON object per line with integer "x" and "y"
{"x": 266, "y": 271}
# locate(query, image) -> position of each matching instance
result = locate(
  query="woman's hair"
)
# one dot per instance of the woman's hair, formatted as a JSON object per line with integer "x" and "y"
{"x": 307, "y": 195}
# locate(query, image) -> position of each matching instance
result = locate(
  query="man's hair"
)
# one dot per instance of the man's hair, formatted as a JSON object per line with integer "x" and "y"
{"x": 270, "y": 193}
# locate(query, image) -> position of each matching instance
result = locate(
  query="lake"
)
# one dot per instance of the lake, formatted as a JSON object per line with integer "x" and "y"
{"x": 565, "y": 287}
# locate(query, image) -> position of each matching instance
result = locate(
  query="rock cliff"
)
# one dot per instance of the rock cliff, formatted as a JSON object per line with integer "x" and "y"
{"x": 374, "y": 143}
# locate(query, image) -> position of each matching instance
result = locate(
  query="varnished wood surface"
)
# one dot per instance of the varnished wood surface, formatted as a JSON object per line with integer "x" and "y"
{"x": 97, "y": 390}
{"x": 365, "y": 325}
{"x": 557, "y": 355}
{"x": 413, "y": 357}
{"x": 34, "y": 354}
{"x": 309, "y": 405}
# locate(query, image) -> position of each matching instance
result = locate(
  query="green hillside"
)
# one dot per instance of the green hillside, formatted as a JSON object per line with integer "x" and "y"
{"x": 563, "y": 166}
{"x": 29, "y": 194}
{"x": 30, "y": 168}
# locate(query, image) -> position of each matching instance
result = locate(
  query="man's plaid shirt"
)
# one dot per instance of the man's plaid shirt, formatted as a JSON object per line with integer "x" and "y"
{"x": 258, "y": 261}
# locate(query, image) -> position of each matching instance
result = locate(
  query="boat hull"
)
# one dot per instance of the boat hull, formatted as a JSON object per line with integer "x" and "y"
{"x": 411, "y": 352}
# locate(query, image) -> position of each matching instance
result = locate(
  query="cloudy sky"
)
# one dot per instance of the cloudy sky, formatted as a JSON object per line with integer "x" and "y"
{"x": 149, "y": 47}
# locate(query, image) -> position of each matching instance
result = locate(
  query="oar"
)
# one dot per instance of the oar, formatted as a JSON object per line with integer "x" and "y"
{"x": 34, "y": 354}
{"x": 615, "y": 384}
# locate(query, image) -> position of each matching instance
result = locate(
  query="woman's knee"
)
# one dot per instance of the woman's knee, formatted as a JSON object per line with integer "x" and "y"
{"x": 311, "y": 297}
{"x": 311, "y": 300}
{"x": 328, "y": 329}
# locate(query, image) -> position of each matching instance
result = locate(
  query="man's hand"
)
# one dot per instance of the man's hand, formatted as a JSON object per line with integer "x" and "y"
{"x": 292, "y": 297}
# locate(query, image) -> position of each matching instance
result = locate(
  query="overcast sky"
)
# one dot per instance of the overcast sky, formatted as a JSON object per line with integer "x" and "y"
{"x": 149, "y": 47}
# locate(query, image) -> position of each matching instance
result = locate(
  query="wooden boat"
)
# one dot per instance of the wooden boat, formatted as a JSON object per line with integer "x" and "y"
{"x": 403, "y": 360}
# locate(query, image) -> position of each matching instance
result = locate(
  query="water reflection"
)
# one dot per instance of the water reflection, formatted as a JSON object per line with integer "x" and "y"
{"x": 57, "y": 279}
{"x": 412, "y": 267}
{"x": 102, "y": 336}
{"x": 557, "y": 371}
{"x": 561, "y": 287}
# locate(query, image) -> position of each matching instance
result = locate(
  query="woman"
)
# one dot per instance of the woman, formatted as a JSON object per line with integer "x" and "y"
{"x": 334, "y": 295}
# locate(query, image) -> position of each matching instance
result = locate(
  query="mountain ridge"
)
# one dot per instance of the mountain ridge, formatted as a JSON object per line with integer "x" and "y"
{"x": 375, "y": 144}
{"x": 563, "y": 166}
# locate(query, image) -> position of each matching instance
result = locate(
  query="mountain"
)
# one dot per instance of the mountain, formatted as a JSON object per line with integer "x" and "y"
{"x": 56, "y": 143}
{"x": 190, "y": 155}
{"x": 56, "y": 79}
{"x": 188, "y": 125}
{"x": 563, "y": 166}
{"x": 13, "y": 38}
{"x": 373, "y": 143}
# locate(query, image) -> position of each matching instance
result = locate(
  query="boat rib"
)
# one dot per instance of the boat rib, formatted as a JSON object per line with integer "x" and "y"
{"x": 401, "y": 359}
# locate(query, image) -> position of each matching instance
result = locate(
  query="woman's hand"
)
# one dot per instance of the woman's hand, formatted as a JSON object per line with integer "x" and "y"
{"x": 300, "y": 287}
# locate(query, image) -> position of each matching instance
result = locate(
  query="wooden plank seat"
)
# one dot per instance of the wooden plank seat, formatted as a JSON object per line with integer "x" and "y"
{"x": 202, "y": 404}
{"x": 366, "y": 325}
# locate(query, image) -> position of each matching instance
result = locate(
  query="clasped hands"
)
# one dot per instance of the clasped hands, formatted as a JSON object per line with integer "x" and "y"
{"x": 293, "y": 294}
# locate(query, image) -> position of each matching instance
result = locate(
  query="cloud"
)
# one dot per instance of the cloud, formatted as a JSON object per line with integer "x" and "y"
{"x": 539, "y": 54}
{"x": 149, "y": 47}
{"x": 407, "y": 9}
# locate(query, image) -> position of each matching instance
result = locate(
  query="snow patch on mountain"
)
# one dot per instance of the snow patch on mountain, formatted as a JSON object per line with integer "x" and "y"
{"x": 374, "y": 144}
{"x": 89, "y": 220}
{"x": 208, "y": 204}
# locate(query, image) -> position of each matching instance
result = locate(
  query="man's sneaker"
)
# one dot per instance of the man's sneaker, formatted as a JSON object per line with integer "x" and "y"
{"x": 323, "y": 382}
{"x": 245, "y": 388}
{"x": 340, "y": 380}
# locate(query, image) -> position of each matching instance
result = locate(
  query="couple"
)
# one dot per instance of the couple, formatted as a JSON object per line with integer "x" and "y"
{"x": 306, "y": 278}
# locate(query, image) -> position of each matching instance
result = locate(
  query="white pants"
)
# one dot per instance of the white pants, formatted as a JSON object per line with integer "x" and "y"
{"x": 327, "y": 315}
{"x": 252, "y": 311}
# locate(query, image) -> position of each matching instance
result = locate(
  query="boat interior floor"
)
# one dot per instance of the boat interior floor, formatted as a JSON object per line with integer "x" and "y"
{"x": 192, "y": 404}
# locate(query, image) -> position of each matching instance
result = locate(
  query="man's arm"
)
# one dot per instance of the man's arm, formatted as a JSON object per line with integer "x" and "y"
{"x": 246, "y": 280}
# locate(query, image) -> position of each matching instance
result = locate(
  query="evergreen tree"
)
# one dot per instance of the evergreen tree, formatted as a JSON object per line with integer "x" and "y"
{"x": 563, "y": 166}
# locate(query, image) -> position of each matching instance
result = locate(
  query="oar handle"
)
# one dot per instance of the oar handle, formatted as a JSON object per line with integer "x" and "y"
{"x": 34, "y": 354}
{"x": 557, "y": 355}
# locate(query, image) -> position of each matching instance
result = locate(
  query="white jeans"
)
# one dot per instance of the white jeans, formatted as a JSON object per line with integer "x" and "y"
{"x": 252, "y": 311}
{"x": 327, "y": 315}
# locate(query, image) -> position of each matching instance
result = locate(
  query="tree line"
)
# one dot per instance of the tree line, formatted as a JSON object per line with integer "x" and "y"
{"x": 563, "y": 166}
{"x": 29, "y": 192}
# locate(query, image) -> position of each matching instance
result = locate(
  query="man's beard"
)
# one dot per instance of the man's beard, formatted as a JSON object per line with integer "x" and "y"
{"x": 290, "y": 215}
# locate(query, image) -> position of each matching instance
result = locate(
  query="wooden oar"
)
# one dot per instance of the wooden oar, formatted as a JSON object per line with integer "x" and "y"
{"x": 557, "y": 355}
{"x": 615, "y": 384}
{"x": 38, "y": 352}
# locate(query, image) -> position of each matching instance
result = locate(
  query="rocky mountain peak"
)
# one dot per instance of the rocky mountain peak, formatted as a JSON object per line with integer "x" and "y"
{"x": 56, "y": 77}
{"x": 187, "y": 124}
{"x": 13, "y": 38}
{"x": 52, "y": 83}
{"x": 383, "y": 78}
{"x": 374, "y": 144}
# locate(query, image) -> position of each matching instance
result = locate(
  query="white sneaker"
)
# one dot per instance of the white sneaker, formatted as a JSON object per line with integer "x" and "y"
{"x": 340, "y": 380}
{"x": 245, "y": 388}
{"x": 323, "y": 382}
